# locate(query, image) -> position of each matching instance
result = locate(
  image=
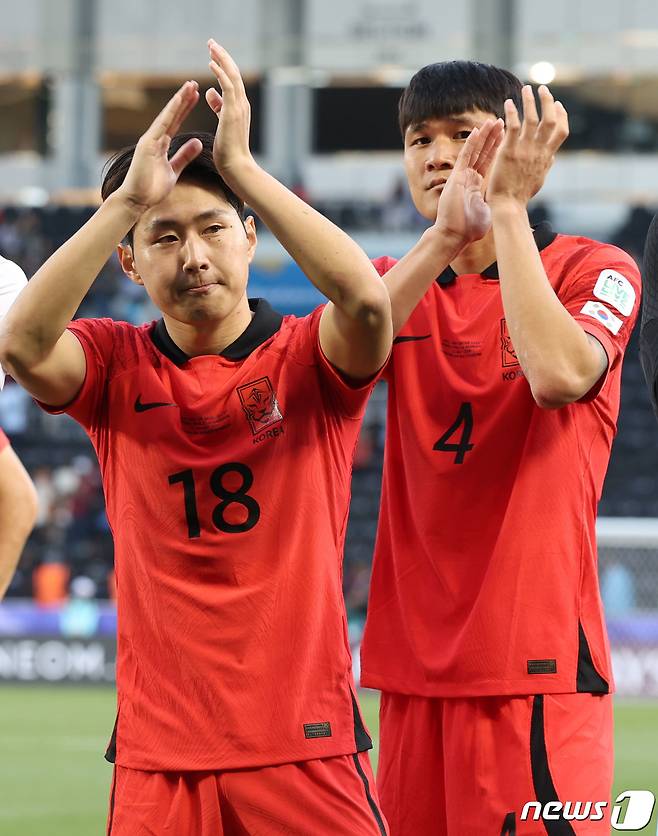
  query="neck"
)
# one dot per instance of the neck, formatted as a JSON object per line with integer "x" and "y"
{"x": 476, "y": 257}
{"x": 209, "y": 336}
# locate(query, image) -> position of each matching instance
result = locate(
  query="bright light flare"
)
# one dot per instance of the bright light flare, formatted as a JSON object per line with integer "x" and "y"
{"x": 543, "y": 72}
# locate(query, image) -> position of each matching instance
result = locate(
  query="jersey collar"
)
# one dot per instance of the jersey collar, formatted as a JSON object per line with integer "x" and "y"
{"x": 543, "y": 235}
{"x": 264, "y": 324}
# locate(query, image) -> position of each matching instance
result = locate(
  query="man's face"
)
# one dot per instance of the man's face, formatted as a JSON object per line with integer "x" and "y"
{"x": 192, "y": 254}
{"x": 430, "y": 151}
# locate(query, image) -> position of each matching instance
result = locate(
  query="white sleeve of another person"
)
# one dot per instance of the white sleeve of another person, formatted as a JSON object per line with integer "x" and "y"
{"x": 12, "y": 281}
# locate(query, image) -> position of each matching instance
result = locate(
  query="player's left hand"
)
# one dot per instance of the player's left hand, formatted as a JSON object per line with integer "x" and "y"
{"x": 527, "y": 151}
{"x": 231, "y": 148}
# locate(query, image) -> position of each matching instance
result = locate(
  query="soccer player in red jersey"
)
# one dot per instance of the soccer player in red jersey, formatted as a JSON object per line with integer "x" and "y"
{"x": 485, "y": 630}
{"x": 225, "y": 434}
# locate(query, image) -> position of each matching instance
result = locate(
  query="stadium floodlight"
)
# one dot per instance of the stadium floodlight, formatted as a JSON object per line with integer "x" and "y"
{"x": 543, "y": 72}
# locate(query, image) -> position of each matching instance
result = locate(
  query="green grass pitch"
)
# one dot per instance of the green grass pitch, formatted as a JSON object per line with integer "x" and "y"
{"x": 54, "y": 781}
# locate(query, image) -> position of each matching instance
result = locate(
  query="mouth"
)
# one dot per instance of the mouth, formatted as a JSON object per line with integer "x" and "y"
{"x": 200, "y": 289}
{"x": 437, "y": 184}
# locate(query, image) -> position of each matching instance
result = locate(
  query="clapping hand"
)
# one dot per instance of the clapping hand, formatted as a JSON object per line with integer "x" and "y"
{"x": 528, "y": 150}
{"x": 231, "y": 148}
{"x": 151, "y": 175}
{"x": 462, "y": 213}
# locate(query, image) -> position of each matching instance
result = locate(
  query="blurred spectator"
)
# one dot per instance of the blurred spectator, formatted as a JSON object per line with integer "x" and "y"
{"x": 14, "y": 406}
{"x": 399, "y": 213}
{"x": 10, "y": 242}
{"x": 631, "y": 234}
{"x": 50, "y": 581}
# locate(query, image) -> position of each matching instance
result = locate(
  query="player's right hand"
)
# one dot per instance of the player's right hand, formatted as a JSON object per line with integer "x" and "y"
{"x": 529, "y": 148}
{"x": 152, "y": 175}
{"x": 463, "y": 215}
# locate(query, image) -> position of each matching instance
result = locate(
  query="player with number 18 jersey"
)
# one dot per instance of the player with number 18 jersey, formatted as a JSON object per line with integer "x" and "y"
{"x": 227, "y": 482}
{"x": 225, "y": 434}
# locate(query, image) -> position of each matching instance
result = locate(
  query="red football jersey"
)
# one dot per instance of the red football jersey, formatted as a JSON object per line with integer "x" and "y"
{"x": 227, "y": 483}
{"x": 4, "y": 441}
{"x": 485, "y": 573}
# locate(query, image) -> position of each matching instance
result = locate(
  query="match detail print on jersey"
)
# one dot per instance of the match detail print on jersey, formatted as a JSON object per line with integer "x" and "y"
{"x": 614, "y": 288}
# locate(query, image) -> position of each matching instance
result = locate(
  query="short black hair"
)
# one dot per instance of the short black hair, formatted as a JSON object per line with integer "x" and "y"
{"x": 201, "y": 170}
{"x": 449, "y": 88}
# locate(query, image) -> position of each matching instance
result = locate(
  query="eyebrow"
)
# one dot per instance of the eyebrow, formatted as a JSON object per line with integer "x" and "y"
{"x": 209, "y": 214}
{"x": 458, "y": 119}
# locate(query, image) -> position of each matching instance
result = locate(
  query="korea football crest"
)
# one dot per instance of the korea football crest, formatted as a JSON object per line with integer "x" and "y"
{"x": 260, "y": 405}
{"x": 509, "y": 357}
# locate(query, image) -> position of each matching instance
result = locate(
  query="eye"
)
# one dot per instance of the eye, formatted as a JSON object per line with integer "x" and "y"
{"x": 213, "y": 229}
{"x": 420, "y": 140}
{"x": 166, "y": 239}
{"x": 463, "y": 134}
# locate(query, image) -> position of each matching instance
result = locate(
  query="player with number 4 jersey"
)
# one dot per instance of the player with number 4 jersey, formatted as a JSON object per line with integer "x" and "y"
{"x": 485, "y": 629}
{"x": 225, "y": 435}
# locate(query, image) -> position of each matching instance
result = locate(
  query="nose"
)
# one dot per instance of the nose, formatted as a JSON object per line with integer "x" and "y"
{"x": 194, "y": 255}
{"x": 441, "y": 155}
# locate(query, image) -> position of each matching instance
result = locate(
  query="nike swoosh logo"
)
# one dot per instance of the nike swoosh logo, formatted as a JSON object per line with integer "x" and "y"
{"x": 143, "y": 407}
{"x": 411, "y": 339}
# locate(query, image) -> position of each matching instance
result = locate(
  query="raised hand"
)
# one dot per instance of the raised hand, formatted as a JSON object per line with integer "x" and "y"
{"x": 231, "y": 149}
{"x": 527, "y": 151}
{"x": 152, "y": 175}
{"x": 462, "y": 212}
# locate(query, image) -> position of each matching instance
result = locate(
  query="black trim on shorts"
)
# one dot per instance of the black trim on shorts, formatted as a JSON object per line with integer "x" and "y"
{"x": 541, "y": 773}
{"x": 361, "y": 736}
{"x": 111, "y": 751}
{"x": 509, "y": 825}
{"x": 371, "y": 801}
{"x": 588, "y": 679}
{"x": 110, "y": 815}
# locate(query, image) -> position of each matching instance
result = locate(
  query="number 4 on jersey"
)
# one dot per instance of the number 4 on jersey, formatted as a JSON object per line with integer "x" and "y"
{"x": 462, "y": 446}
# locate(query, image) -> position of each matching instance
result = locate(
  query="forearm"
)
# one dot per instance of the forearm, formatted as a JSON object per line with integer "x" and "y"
{"x": 44, "y": 308}
{"x": 18, "y": 509}
{"x": 413, "y": 275}
{"x": 334, "y": 263}
{"x": 556, "y": 355}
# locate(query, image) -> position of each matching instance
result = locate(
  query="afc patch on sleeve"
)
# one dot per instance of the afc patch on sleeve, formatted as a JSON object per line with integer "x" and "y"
{"x": 601, "y": 314}
{"x": 614, "y": 288}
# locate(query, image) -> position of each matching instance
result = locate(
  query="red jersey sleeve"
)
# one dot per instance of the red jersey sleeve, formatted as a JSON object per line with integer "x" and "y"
{"x": 346, "y": 396}
{"x": 602, "y": 293}
{"x": 96, "y": 336}
{"x": 4, "y": 441}
{"x": 383, "y": 264}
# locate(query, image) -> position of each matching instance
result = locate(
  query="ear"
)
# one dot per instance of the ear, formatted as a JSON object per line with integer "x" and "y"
{"x": 250, "y": 229}
{"x": 127, "y": 261}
